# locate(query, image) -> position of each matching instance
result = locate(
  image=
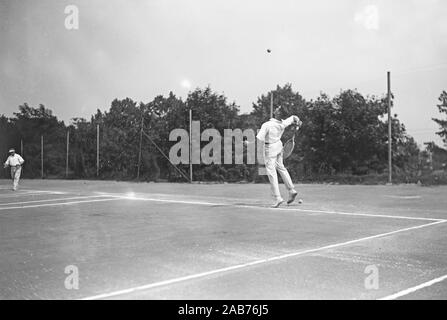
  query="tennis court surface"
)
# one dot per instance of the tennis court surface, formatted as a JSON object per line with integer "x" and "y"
{"x": 220, "y": 241}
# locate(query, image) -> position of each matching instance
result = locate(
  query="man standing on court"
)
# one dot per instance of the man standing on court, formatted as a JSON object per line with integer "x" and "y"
{"x": 15, "y": 162}
{"x": 270, "y": 134}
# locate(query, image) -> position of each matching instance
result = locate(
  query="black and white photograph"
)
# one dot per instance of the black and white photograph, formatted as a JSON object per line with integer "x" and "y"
{"x": 233, "y": 152}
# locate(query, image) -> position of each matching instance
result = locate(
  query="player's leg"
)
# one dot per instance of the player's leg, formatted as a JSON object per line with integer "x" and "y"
{"x": 270, "y": 167}
{"x": 13, "y": 175}
{"x": 17, "y": 177}
{"x": 286, "y": 178}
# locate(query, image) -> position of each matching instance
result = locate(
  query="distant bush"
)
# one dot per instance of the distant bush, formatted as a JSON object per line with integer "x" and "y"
{"x": 435, "y": 178}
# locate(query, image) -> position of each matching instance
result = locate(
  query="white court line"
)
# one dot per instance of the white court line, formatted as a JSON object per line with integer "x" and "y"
{"x": 369, "y": 215}
{"x": 277, "y": 209}
{"x": 404, "y": 197}
{"x": 43, "y": 191}
{"x": 414, "y": 289}
{"x": 24, "y": 193}
{"x": 27, "y": 191}
{"x": 57, "y": 204}
{"x": 171, "y": 201}
{"x": 13, "y": 194}
{"x": 50, "y": 200}
{"x": 250, "y": 264}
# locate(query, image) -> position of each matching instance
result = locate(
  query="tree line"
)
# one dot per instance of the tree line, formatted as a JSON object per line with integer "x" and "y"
{"x": 343, "y": 135}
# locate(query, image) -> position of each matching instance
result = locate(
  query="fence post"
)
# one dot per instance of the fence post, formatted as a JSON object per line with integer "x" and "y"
{"x": 141, "y": 144}
{"x": 41, "y": 156}
{"x": 68, "y": 150}
{"x": 97, "y": 150}
{"x": 390, "y": 140}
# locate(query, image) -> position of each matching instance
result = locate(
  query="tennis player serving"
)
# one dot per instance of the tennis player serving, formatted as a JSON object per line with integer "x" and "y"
{"x": 270, "y": 134}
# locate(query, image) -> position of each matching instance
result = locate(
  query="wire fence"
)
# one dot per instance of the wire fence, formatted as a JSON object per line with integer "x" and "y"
{"x": 131, "y": 142}
{"x": 99, "y": 154}
{"x": 95, "y": 154}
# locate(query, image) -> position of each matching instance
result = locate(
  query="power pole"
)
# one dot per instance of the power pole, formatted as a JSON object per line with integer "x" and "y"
{"x": 271, "y": 104}
{"x": 190, "y": 145}
{"x": 390, "y": 154}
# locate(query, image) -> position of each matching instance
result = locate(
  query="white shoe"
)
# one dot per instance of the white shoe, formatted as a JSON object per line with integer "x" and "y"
{"x": 278, "y": 203}
{"x": 292, "y": 197}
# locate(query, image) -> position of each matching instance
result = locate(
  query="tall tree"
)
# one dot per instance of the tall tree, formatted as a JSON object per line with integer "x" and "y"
{"x": 161, "y": 115}
{"x": 83, "y": 147}
{"x": 32, "y": 123}
{"x": 442, "y": 107}
{"x": 212, "y": 109}
{"x": 119, "y": 139}
{"x": 291, "y": 101}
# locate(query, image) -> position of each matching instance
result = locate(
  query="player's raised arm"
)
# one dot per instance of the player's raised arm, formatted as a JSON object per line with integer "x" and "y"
{"x": 292, "y": 120}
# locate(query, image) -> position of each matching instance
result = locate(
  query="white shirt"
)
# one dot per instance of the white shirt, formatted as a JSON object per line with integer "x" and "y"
{"x": 14, "y": 160}
{"x": 272, "y": 131}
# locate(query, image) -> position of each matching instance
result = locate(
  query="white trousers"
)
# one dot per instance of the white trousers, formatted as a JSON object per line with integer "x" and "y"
{"x": 15, "y": 176}
{"x": 273, "y": 159}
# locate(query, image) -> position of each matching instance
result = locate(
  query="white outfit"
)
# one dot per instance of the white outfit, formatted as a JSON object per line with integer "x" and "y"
{"x": 15, "y": 162}
{"x": 271, "y": 133}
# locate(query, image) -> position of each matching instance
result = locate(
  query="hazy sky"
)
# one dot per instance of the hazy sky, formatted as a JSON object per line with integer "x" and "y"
{"x": 140, "y": 49}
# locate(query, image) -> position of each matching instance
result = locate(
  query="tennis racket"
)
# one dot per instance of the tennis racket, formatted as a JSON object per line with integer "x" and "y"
{"x": 289, "y": 146}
